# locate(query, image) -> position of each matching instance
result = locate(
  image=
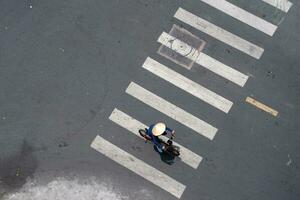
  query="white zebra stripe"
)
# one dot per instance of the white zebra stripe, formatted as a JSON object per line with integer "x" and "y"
{"x": 187, "y": 85}
{"x": 171, "y": 110}
{"x": 243, "y": 16}
{"x": 133, "y": 125}
{"x": 283, "y": 5}
{"x": 203, "y": 59}
{"x": 138, "y": 166}
{"x": 219, "y": 33}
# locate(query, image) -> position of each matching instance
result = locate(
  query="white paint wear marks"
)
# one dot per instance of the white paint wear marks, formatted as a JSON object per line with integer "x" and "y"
{"x": 171, "y": 110}
{"x": 283, "y": 5}
{"x": 133, "y": 125}
{"x": 203, "y": 59}
{"x": 187, "y": 85}
{"x": 75, "y": 187}
{"x": 138, "y": 166}
{"x": 243, "y": 16}
{"x": 219, "y": 33}
{"x": 178, "y": 46}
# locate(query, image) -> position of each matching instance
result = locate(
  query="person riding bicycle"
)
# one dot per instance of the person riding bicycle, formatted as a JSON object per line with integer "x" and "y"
{"x": 156, "y": 130}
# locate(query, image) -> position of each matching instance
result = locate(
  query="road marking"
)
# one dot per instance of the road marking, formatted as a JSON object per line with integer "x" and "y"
{"x": 222, "y": 69}
{"x": 187, "y": 85}
{"x": 203, "y": 59}
{"x": 171, "y": 110}
{"x": 133, "y": 125}
{"x": 195, "y": 45}
{"x": 178, "y": 46}
{"x": 243, "y": 16}
{"x": 138, "y": 166}
{"x": 219, "y": 33}
{"x": 283, "y": 5}
{"x": 261, "y": 106}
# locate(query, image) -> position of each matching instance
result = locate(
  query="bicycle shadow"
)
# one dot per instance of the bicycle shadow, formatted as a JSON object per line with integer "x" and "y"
{"x": 165, "y": 157}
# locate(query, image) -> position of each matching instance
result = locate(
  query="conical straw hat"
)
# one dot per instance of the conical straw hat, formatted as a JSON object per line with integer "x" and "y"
{"x": 158, "y": 129}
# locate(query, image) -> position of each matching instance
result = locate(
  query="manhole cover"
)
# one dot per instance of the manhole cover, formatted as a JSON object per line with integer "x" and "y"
{"x": 183, "y": 47}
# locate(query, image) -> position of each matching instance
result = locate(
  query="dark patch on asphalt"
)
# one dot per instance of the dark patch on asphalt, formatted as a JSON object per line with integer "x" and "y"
{"x": 270, "y": 74}
{"x": 93, "y": 112}
{"x": 62, "y": 144}
{"x": 136, "y": 148}
{"x": 14, "y": 170}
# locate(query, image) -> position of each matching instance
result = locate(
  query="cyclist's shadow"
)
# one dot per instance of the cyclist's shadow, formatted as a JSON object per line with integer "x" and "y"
{"x": 165, "y": 157}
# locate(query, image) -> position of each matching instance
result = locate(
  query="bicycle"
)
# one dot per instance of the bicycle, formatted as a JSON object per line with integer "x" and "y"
{"x": 169, "y": 147}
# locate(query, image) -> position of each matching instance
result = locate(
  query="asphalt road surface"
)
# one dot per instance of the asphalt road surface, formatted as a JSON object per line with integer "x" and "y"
{"x": 79, "y": 78}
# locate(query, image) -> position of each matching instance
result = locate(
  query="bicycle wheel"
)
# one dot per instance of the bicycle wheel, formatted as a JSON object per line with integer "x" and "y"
{"x": 143, "y": 132}
{"x": 173, "y": 151}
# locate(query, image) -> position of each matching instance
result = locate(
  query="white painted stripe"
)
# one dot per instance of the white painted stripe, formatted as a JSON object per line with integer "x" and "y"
{"x": 222, "y": 69}
{"x": 138, "y": 166}
{"x": 219, "y": 33}
{"x": 133, "y": 125}
{"x": 243, "y": 16}
{"x": 171, "y": 110}
{"x": 283, "y": 5}
{"x": 202, "y": 59}
{"x": 187, "y": 85}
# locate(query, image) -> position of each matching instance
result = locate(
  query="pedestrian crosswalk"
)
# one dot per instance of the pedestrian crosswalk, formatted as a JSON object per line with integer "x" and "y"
{"x": 203, "y": 59}
{"x": 187, "y": 156}
{"x": 283, "y": 5}
{"x": 138, "y": 166}
{"x": 243, "y": 16}
{"x": 171, "y": 110}
{"x": 187, "y": 85}
{"x": 219, "y": 33}
{"x": 191, "y": 87}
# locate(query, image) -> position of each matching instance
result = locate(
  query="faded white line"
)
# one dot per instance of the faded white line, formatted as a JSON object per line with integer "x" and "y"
{"x": 219, "y": 33}
{"x": 171, "y": 110}
{"x": 243, "y": 16}
{"x": 133, "y": 125}
{"x": 283, "y": 5}
{"x": 138, "y": 166}
{"x": 202, "y": 59}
